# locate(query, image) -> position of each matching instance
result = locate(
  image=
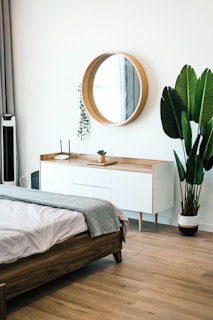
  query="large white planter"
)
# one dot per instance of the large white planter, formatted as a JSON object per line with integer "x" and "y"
{"x": 188, "y": 225}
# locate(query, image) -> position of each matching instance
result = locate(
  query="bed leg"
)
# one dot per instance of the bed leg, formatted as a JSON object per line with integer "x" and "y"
{"x": 118, "y": 257}
{"x": 2, "y": 301}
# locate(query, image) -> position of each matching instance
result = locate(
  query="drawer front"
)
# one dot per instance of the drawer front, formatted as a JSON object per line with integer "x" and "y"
{"x": 132, "y": 191}
{"x": 56, "y": 178}
{"x": 92, "y": 177}
{"x": 94, "y": 192}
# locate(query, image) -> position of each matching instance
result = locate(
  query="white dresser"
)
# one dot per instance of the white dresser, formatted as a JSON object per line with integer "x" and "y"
{"x": 131, "y": 184}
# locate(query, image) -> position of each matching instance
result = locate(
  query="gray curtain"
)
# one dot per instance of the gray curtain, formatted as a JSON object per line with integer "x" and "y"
{"x": 6, "y": 68}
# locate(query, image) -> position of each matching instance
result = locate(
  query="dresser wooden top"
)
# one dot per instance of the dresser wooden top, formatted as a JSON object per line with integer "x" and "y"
{"x": 121, "y": 163}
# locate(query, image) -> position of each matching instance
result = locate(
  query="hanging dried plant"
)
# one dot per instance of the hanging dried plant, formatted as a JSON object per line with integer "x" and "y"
{"x": 83, "y": 129}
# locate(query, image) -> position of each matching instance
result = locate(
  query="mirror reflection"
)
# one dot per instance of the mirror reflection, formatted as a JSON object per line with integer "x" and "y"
{"x": 116, "y": 88}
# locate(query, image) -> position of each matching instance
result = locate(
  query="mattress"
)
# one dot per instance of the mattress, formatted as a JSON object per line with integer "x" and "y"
{"x": 27, "y": 228}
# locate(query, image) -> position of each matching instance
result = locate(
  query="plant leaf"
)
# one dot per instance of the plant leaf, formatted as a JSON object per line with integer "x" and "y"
{"x": 204, "y": 98}
{"x": 171, "y": 108}
{"x": 185, "y": 87}
{"x": 180, "y": 167}
{"x": 187, "y": 132}
{"x": 194, "y": 170}
{"x": 208, "y": 164}
{"x": 206, "y": 147}
{"x": 195, "y": 146}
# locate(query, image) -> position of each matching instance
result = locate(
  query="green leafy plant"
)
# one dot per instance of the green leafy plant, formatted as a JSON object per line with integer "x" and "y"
{"x": 101, "y": 152}
{"x": 83, "y": 129}
{"x": 187, "y": 114}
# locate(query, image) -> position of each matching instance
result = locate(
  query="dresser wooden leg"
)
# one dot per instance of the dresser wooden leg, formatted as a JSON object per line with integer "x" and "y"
{"x": 140, "y": 221}
{"x": 156, "y": 219}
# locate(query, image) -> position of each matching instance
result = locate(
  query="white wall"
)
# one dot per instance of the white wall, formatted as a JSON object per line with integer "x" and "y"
{"x": 55, "y": 40}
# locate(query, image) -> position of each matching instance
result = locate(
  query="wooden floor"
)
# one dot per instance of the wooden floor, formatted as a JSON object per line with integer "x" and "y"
{"x": 164, "y": 276}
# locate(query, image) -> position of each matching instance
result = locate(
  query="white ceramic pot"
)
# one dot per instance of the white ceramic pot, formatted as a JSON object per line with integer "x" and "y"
{"x": 188, "y": 225}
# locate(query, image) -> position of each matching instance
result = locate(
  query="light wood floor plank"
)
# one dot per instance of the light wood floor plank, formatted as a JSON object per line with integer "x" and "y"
{"x": 164, "y": 275}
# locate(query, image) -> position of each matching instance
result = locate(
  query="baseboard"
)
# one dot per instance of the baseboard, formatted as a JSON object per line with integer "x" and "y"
{"x": 165, "y": 219}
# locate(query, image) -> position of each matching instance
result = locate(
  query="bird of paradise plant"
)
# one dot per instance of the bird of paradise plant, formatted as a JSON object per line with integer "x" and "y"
{"x": 187, "y": 114}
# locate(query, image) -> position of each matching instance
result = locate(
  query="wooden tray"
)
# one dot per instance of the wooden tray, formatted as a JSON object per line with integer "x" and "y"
{"x": 106, "y": 163}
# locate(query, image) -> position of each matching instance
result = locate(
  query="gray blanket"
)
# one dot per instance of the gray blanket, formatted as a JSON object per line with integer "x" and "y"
{"x": 100, "y": 215}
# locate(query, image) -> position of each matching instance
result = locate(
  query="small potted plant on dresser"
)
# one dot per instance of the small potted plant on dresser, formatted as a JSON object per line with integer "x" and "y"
{"x": 101, "y": 156}
{"x": 187, "y": 114}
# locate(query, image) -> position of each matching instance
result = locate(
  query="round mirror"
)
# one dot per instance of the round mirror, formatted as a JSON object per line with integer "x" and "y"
{"x": 114, "y": 88}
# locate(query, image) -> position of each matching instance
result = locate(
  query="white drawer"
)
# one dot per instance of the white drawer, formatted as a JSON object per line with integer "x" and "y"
{"x": 94, "y": 192}
{"x": 132, "y": 191}
{"x": 92, "y": 177}
{"x": 56, "y": 178}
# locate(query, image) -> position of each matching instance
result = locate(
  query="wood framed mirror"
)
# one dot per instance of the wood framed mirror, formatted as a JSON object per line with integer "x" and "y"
{"x": 114, "y": 88}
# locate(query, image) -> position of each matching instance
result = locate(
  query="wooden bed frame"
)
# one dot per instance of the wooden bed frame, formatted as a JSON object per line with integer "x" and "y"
{"x": 28, "y": 273}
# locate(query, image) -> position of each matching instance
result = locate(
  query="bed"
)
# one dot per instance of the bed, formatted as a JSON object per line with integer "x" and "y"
{"x": 25, "y": 271}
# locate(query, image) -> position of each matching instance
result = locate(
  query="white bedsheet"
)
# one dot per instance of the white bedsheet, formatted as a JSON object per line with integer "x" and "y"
{"x": 27, "y": 229}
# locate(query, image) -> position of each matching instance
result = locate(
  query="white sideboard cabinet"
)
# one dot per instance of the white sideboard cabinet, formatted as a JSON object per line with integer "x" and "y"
{"x": 131, "y": 184}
